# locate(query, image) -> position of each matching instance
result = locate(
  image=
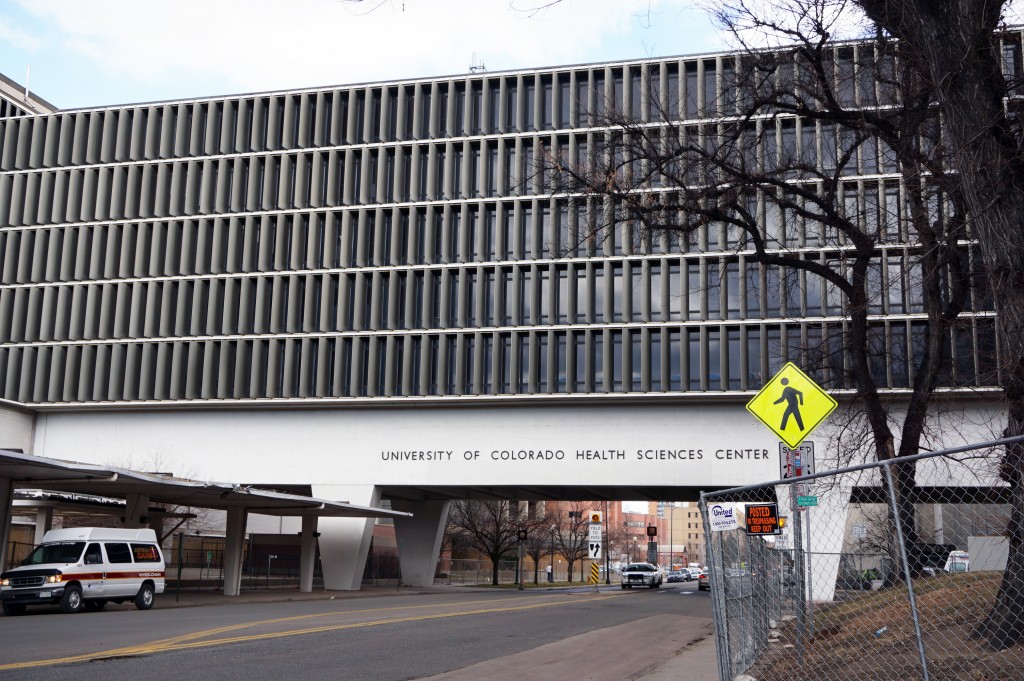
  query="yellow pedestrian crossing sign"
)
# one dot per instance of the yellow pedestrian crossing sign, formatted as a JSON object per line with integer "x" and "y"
{"x": 791, "y": 405}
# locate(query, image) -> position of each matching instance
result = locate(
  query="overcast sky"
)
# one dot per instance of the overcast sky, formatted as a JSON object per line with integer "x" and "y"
{"x": 99, "y": 52}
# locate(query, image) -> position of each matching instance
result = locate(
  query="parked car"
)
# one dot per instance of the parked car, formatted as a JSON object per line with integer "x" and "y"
{"x": 694, "y": 572}
{"x": 678, "y": 576}
{"x": 641, "y": 574}
{"x": 703, "y": 581}
{"x": 958, "y": 561}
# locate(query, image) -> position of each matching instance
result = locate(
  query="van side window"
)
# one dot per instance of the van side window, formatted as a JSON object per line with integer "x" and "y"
{"x": 118, "y": 553}
{"x": 145, "y": 553}
{"x": 93, "y": 555}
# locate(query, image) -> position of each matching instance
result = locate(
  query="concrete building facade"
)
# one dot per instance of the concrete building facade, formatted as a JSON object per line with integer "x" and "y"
{"x": 369, "y": 292}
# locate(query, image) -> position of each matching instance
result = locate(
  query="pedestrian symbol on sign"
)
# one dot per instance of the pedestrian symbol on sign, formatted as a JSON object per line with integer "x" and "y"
{"x": 793, "y": 399}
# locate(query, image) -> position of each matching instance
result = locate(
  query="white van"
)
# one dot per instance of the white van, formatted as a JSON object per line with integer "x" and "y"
{"x": 85, "y": 568}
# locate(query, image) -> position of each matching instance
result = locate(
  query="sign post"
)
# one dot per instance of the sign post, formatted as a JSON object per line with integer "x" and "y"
{"x": 594, "y": 546}
{"x": 652, "y": 544}
{"x": 519, "y": 563}
{"x": 792, "y": 405}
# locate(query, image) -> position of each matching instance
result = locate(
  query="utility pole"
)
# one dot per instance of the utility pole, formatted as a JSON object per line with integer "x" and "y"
{"x": 607, "y": 547}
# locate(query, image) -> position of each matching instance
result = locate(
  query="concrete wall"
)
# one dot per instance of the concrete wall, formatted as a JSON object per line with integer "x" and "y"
{"x": 16, "y": 429}
{"x": 988, "y": 553}
{"x": 702, "y": 446}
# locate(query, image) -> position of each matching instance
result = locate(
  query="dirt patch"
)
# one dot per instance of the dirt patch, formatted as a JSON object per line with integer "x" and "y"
{"x": 871, "y": 636}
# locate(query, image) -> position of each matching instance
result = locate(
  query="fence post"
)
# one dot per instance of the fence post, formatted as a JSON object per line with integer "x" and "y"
{"x": 801, "y": 574}
{"x": 886, "y": 465}
{"x": 718, "y": 613}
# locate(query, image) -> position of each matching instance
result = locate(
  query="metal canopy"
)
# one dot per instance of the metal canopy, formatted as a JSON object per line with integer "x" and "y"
{"x": 32, "y": 472}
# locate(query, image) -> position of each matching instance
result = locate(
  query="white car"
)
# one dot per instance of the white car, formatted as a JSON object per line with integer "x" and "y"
{"x": 641, "y": 574}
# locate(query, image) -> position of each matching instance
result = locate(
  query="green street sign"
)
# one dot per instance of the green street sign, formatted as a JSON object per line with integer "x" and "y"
{"x": 807, "y": 501}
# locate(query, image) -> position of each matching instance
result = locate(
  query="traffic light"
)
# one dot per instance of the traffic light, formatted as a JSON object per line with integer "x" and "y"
{"x": 522, "y": 535}
{"x": 595, "y": 516}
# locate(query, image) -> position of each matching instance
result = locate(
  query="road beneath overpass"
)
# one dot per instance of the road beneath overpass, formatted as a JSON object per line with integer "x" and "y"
{"x": 454, "y": 634}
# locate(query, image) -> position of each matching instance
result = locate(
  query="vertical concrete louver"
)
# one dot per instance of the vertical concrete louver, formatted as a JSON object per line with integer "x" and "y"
{"x": 390, "y": 240}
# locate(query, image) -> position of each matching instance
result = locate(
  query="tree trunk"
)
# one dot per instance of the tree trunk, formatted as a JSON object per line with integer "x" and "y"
{"x": 954, "y": 46}
{"x": 1003, "y": 627}
{"x": 494, "y": 572}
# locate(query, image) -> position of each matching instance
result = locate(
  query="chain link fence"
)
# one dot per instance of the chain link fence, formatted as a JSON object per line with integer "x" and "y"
{"x": 882, "y": 571}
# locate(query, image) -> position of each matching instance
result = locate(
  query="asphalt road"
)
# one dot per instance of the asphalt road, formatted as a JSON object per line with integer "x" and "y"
{"x": 450, "y": 634}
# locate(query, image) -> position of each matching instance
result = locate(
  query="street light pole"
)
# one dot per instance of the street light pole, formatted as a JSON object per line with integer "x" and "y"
{"x": 607, "y": 547}
{"x": 551, "y": 575}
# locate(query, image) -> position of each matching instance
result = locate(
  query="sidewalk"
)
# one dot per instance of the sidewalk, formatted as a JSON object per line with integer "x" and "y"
{"x": 697, "y": 662}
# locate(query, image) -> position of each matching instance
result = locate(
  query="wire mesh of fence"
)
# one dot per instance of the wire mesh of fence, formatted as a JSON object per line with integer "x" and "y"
{"x": 894, "y": 570}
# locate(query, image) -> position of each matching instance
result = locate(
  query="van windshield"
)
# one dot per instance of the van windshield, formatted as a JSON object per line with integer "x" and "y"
{"x": 57, "y": 552}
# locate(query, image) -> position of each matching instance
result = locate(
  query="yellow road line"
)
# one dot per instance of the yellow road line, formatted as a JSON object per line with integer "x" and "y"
{"x": 294, "y": 618}
{"x": 183, "y": 642}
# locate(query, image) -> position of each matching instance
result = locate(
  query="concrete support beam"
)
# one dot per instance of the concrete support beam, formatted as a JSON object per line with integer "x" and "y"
{"x": 44, "y": 523}
{"x": 136, "y": 507}
{"x": 6, "y": 504}
{"x": 345, "y": 542}
{"x": 233, "y": 544}
{"x": 307, "y": 553}
{"x": 419, "y": 539}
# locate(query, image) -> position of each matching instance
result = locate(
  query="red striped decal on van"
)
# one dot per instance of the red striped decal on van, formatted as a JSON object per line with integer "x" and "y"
{"x": 82, "y": 576}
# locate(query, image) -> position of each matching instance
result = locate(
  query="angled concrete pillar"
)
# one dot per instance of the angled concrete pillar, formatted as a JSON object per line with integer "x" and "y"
{"x": 826, "y": 545}
{"x": 6, "y": 504}
{"x": 135, "y": 509}
{"x": 44, "y": 523}
{"x": 345, "y": 542}
{"x": 234, "y": 543}
{"x": 419, "y": 539}
{"x": 307, "y": 553}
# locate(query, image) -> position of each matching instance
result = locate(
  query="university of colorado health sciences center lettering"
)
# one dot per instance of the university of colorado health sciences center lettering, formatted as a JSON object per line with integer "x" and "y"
{"x": 674, "y": 446}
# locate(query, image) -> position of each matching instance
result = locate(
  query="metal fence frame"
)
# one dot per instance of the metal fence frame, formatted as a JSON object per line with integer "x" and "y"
{"x": 741, "y": 621}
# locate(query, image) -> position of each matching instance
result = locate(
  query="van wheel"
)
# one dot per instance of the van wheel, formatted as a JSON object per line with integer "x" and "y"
{"x": 72, "y": 600}
{"x": 144, "y": 599}
{"x": 95, "y": 606}
{"x": 11, "y": 609}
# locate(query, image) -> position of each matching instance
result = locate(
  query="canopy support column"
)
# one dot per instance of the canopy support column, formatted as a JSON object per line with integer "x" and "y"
{"x": 6, "y": 507}
{"x": 136, "y": 507}
{"x": 44, "y": 523}
{"x": 234, "y": 542}
{"x": 307, "y": 553}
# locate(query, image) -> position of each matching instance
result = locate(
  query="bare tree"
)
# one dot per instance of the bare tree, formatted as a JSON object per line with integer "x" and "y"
{"x": 539, "y": 539}
{"x": 953, "y": 48}
{"x": 751, "y": 178}
{"x": 192, "y": 519}
{"x": 492, "y": 527}
{"x": 571, "y": 535}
